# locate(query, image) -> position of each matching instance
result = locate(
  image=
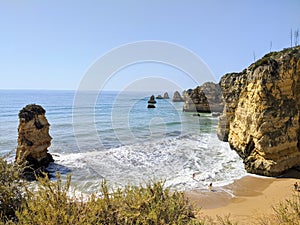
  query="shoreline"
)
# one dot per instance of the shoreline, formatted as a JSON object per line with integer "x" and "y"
{"x": 246, "y": 199}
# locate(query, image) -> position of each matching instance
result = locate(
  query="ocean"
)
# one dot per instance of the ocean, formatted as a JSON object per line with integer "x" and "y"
{"x": 117, "y": 138}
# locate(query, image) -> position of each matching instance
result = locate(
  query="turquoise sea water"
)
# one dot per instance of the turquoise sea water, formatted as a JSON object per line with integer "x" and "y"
{"x": 119, "y": 139}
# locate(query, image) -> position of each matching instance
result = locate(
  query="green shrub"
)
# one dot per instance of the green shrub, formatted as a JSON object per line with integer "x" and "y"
{"x": 144, "y": 205}
{"x": 12, "y": 190}
{"x": 153, "y": 204}
{"x": 49, "y": 204}
{"x": 288, "y": 212}
{"x": 285, "y": 213}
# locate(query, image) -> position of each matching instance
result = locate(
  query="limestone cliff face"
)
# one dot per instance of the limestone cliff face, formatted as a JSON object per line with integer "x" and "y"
{"x": 231, "y": 85}
{"x": 33, "y": 137}
{"x": 204, "y": 98}
{"x": 261, "y": 118}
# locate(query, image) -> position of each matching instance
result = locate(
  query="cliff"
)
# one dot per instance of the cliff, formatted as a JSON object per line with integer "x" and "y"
{"x": 33, "y": 138}
{"x": 204, "y": 98}
{"x": 261, "y": 117}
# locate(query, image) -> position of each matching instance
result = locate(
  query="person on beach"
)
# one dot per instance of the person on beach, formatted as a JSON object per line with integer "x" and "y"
{"x": 296, "y": 186}
{"x": 210, "y": 186}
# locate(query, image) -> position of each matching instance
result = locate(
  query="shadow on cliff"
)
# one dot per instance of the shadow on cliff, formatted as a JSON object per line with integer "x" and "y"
{"x": 291, "y": 173}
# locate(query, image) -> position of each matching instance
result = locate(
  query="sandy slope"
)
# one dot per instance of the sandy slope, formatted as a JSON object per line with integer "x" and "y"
{"x": 246, "y": 199}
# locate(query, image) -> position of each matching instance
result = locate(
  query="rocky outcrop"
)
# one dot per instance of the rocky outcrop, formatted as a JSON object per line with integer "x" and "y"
{"x": 166, "y": 95}
{"x": 261, "y": 118}
{"x": 231, "y": 85}
{"x": 159, "y": 97}
{"x": 151, "y": 102}
{"x": 177, "y": 97}
{"x": 186, "y": 94}
{"x": 204, "y": 98}
{"x": 33, "y": 138}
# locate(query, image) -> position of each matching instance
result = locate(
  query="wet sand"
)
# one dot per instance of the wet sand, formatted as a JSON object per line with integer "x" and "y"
{"x": 246, "y": 199}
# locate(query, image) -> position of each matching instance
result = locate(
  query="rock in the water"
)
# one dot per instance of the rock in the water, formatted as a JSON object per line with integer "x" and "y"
{"x": 166, "y": 95}
{"x": 186, "y": 94}
{"x": 151, "y": 102}
{"x": 177, "y": 97}
{"x": 159, "y": 97}
{"x": 204, "y": 98}
{"x": 261, "y": 118}
{"x": 33, "y": 138}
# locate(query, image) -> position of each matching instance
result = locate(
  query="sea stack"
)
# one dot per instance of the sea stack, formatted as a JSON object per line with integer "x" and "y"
{"x": 33, "y": 138}
{"x": 206, "y": 98}
{"x": 261, "y": 117}
{"x": 177, "y": 97}
{"x": 166, "y": 95}
{"x": 151, "y": 102}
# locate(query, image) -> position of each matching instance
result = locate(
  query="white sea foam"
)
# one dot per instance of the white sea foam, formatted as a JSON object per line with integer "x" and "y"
{"x": 131, "y": 144}
{"x": 170, "y": 159}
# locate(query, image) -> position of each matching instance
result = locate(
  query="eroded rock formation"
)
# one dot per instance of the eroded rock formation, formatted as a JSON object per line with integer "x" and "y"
{"x": 261, "y": 118}
{"x": 166, "y": 95}
{"x": 151, "y": 102}
{"x": 177, "y": 97}
{"x": 33, "y": 137}
{"x": 204, "y": 98}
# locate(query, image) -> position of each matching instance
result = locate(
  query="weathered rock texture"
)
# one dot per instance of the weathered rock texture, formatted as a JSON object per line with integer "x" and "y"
{"x": 204, "y": 98}
{"x": 33, "y": 137}
{"x": 166, "y": 95}
{"x": 177, "y": 97}
{"x": 261, "y": 118}
{"x": 151, "y": 102}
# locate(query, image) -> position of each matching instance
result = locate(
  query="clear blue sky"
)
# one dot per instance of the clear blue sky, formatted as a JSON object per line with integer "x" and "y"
{"x": 51, "y": 44}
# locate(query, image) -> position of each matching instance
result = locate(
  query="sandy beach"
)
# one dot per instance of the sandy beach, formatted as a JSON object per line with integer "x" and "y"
{"x": 247, "y": 199}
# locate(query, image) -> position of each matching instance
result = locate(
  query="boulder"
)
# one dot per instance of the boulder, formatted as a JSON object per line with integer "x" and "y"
{"x": 159, "y": 97}
{"x": 261, "y": 117}
{"x": 33, "y": 138}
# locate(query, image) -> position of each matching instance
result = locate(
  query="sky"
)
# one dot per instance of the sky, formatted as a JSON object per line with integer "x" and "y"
{"x": 52, "y": 44}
